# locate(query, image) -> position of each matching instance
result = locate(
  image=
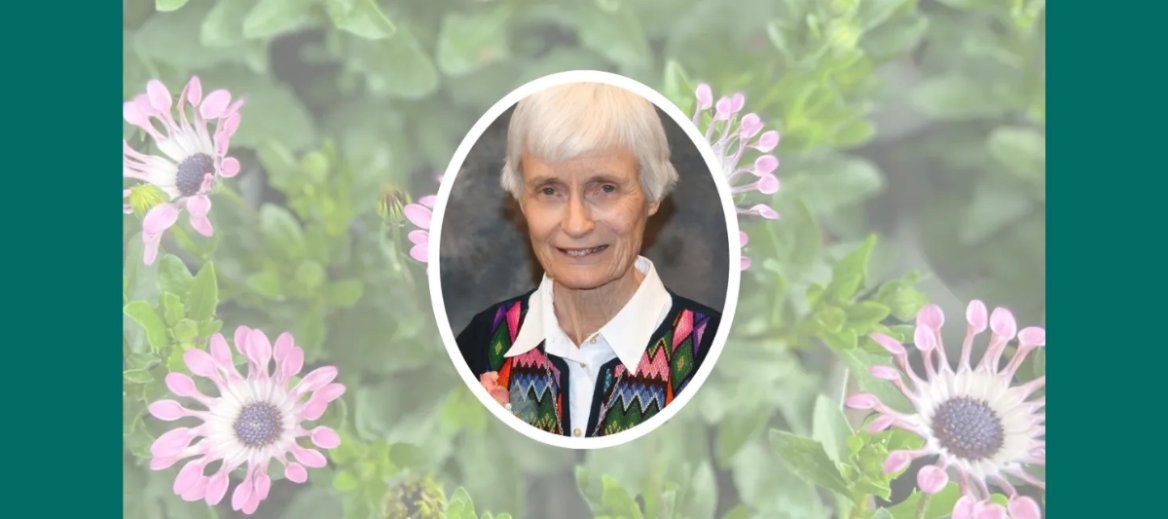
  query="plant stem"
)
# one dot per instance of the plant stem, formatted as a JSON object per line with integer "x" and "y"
{"x": 923, "y": 505}
{"x": 188, "y": 243}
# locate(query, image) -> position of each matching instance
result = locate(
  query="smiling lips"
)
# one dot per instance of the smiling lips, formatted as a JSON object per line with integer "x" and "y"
{"x": 582, "y": 252}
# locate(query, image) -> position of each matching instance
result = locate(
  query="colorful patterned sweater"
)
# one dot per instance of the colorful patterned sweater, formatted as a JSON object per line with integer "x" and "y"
{"x": 538, "y": 382}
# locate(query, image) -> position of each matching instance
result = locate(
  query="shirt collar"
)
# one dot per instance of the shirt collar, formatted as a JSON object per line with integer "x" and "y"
{"x": 628, "y": 332}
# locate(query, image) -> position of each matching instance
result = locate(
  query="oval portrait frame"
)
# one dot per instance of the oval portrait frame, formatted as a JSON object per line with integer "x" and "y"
{"x": 433, "y": 269}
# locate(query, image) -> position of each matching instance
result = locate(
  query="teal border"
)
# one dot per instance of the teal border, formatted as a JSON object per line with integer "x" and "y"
{"x": 62, "y": 354}
{"x": 1105, "y": 215}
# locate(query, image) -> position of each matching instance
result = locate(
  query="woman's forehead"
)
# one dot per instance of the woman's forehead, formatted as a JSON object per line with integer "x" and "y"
{"x": 612, "y": 162}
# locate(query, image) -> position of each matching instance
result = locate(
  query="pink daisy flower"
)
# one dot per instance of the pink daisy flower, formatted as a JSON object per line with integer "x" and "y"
{"x": 253, "y": 420}
{"x": 193, "y": 156}
{"x": 419, "y": 214}
{"x": 730, "y": 138}
{"x": 983, "y": 427}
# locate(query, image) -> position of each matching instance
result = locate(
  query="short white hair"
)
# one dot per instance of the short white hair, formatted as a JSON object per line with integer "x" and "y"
{"x": 566, "y": 121}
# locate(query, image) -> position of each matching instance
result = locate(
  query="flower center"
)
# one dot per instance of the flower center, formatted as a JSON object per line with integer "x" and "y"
{"x": 968, "y": 428}
{"x": 258, "y": 425}
{"x": 191, "y": 172}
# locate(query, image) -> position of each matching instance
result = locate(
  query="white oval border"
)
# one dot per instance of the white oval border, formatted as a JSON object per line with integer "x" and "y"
{"x": 713, "y": 164}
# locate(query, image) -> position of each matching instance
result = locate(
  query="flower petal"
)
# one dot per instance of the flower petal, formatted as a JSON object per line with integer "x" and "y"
{"x": 263, "y": 485}
{"x": 418, "y": 214}
{"x": 862, "y": 401}
{"x": 167, "y": 410}
{"x": 194, "y": 91}
{"x": 200, "y": 362}
{"x": 892, "y": 345}
{"x": 181, "y": 385}
{"x": 188, "y": 476}
{"x": 743, "y": 262}
{"x": 217, "y": 488}
{"x": 196, "y": 491}
{"x": 420, "y": 252}
{"x": 215, "y": 104}
{"x": 923, "y": 339}
{"x": 931, "y": 479}
{"x": 1024, "y": 507}
{"x": 242, "y": 494}
{"x": 884, "y": 372}
{"x": 160, "y": 218}
{"x": 767, "y": 141}
{"x": 295, "y": 472}
{"x": 897, "y": 461}
{"x": 418, "y": 237}
{"x": 241, "y": 339}
{"x": 750, "y": 126}
{"x": 768, "y": 184}
{"x": 163, "y": 463}
{"x": 975, "y": 315}
{"x": 989, "y": 510}
{"x": 1003, "y": 324}
{"x": 963, "y": 508}
{"x": 329, "y": 393}
{"x": 172, "y": 442}
{"x": 429, "y": 200}
{"x": 283, "y": 347}
{"x": 220, "y": 351}
{"x": 159, "y": 98}
{"x": 1033, "y": 336}
{"x": 259, "y": 349}
{"x": 309, "y": 457}
{"x": 704, "y": 95}
{"x": 881, "y": 423}
{"x": 931, "y": 317}
{"x": 318, "y": 378}
{"x": 229, "y": 167}
{"x": 325, "y": 438}
{"x": 765, "y": 164}
{"x": 764, "y": 211}
{"x": 293, "y": 363}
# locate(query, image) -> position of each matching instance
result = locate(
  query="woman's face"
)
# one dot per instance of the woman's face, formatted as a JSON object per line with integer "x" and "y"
{"x": 586, "y": 216}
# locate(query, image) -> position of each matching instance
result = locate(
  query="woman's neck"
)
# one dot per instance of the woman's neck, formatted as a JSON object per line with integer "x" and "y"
{"x": 583, "y": 312}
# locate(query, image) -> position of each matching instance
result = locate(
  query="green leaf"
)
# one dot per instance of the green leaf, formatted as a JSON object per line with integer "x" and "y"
{"x": 618, "y": 500}
{"x": 875, "y": 12}
{"x": 345, "y": 481}
{"x": 272, "y": 112}
{"x": 138, "y": 376}
{"x": 895, "y": 38}
{"x": 173, "y": 309}
{"x": 361, "y": 17}
{"x": 407, "y": 455}
{"x": 856, "y": 262}
{"x": 223, "y": 26}
{"x": 310, "y": 275}
{"x": 996, "y": 205}
{"x": 735, "y": 430}
{"x": 173, "y": 275}
{"x": 859, "y": 361}
{"x": 617, "y": 36}
{"x": 882, "y": 513}
{"x": 677, "y": 87}
{"x": 866, "y": 314}
{"x": 738, "y": 512}
{"x": 830, "y": 319}
{"x": 470, "y": 41}
{"x": 957, "y": 97}
{"x": 185, "y": 330}
{"x": 940, "y": 504}
{"x": 165, "y": 6}
{"x": 206, "y": 328}
{"x": 282, "y": 232}
{"x": 838, "y": 183}
{"x": 271, "y": 17}
{"x": 396, "y": 66}
{"x": 460, "y": 506}
{"x": 145, "y": 315}
{"x": 267, "y": 284}
{"x": 830, "y": 428}
{"x": 344, "y": 293}
{"x": 142, "y": 360}
{"x": 1022, "y": 150}
{"x": 203, "y": 298}
{"x": 901, "y": 297}
{"x": 806, "y": 458}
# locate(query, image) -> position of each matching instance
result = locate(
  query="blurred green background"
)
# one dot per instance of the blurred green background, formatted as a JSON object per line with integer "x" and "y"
{"x": 913, "y": 170}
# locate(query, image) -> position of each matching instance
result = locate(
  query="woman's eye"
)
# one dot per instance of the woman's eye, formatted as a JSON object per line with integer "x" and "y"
{"x": 608, "y": 188}
{"x": 549, "y": 191}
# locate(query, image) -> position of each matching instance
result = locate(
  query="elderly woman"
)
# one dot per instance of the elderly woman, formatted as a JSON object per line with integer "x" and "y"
{"x": 601, "y": 345}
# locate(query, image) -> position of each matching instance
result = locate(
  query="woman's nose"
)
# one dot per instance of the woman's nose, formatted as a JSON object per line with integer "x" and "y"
{"x": 578, "y": 221}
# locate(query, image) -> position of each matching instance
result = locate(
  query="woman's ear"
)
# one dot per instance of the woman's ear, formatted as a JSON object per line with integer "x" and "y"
{"x": 654, "y": 206}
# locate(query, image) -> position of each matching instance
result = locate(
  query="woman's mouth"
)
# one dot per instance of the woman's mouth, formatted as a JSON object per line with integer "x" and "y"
{"x": 582, "y": 252}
